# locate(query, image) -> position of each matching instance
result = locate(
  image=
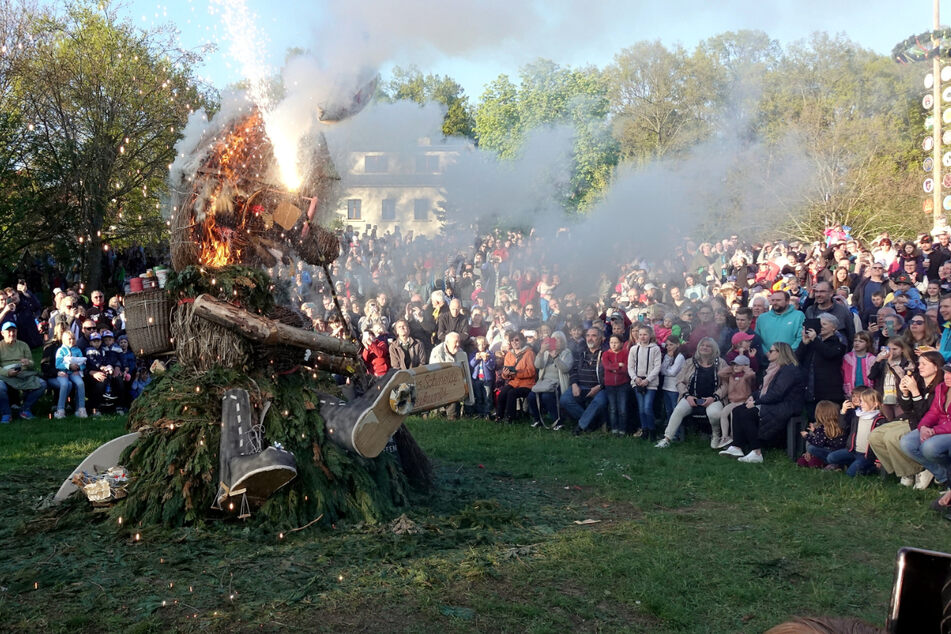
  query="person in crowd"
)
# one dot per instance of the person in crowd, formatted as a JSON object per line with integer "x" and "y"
{"x": 453, "y": 320}
{"x": 916, "y": 394}
{"x": 482, "y": 365}
{"x": 932, "y": 296}
{"x": 822, "y": 300}
{"x": 375, "y": 352}
{"x": 921, "y": 334}
{"x": 762, "y": 422}
{"x": 860, "y": 417}
{"x": 700, "y": 392}
{"x": 893, "y": 362}
{"x": 553, "y": 363}
{"x": 614, "y": 381}
{"x": 671, "y": 366}
{"x": 857, "y": 363}
{"x": 705, "y": 327}
{"x": 783, "y": 323}
{"x": 740, "y": 380}
{"x": 518, "y": 376}
{"x": 70, "y": 365}
{"x": 930, "y": 444}
{"x": 21, "y": 313}
{"x": 820, "y": 358}
{"x": 17, "y": 373}
{"x": 98, "y": 377}
{"x": 822, "y": 436}
{"x": 862, "y": 294}
{"x": 586, "y": 400}
{"x": 644, "y": 370}
{"x": 406, "y": 351}
{"x": 450, "y": 351}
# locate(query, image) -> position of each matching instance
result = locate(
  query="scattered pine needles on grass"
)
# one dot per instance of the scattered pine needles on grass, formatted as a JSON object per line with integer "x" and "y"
{"x": 676, "y": 540}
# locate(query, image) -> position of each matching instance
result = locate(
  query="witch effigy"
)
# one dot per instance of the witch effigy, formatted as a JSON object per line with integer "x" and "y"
{"x": 247, "y": 419}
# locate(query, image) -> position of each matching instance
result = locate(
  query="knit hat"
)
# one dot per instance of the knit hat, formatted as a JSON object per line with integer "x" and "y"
{"x": 741, "y": 359}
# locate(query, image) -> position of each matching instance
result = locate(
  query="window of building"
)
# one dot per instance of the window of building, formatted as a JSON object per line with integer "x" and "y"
{"x": 354, "y": 209}
{"x": 427, "y": 163}
{"x": 374, "y": 163}
{"x": 421, "y": 207}
{"x": 388, "y": 212}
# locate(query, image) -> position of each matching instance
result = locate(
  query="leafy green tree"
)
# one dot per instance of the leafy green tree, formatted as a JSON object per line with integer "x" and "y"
{"x": 409, "y": 84}
{"x": 104, "y": 103}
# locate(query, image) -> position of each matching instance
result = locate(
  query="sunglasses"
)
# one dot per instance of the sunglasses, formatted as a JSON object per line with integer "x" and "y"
{"x": 917, "y": 322}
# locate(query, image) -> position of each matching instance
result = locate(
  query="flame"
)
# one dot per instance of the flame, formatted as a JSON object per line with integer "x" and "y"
{"x": 215, "y": 245}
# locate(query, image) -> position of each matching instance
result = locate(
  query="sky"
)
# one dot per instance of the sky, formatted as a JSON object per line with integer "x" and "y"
{"x": 475, "y": 41}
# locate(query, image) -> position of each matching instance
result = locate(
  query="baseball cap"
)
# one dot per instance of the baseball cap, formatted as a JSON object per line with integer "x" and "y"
{"x": 107, "y": 333}
{"x": 94, "y": 336}
{"x": 903, "y": 278}
{"x": 741, "y": 359}
{"x": 57, "y": 291}
{"x": 7, "y": 325}
{"x": 740, "y": 336}
{"x": 616, "y": 315}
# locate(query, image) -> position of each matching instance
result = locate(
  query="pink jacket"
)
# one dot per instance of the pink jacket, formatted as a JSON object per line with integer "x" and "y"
{"x": 938, "y": 415}
{"x": 848, "y": 371}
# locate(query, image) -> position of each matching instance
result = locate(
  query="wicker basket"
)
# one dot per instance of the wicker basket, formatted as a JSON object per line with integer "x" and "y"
{"x": 147, "y": 322}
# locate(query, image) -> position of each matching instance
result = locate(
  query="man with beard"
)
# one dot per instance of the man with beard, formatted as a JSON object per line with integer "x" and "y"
{"x": 586, "y": 400}
{"x": 782, "y": 323}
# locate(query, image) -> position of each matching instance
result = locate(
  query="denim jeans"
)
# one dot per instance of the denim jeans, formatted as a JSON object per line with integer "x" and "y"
{"x": 670, "y": 402}
{"x": 549, "y": 405}
{"x": 617, "y": 406}
{"x": 819, "y": 452}
{"x": 856, "y": 461}
{"x": 483, "y": 397}
{"x": 29, "y": 398}
{"x": 583, "y": 410}
{"x": 64, "y": 384}
{"x": 645, "y": 407}
{"x": 932, "y": 454}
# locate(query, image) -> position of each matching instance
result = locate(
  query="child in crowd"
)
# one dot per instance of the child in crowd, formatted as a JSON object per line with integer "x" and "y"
{"x": 741, "y": 345}
{"x": 740, "y": 379}
{"x": 70, "y": 364}
{"x": 857, "y": 363}
{"x": 615, "y": 382}
{"x": 482, "y": 362}
{"x": 142, "y": 379}
{"x": 823, "y": 436}
{"x": 112, "y": 354}
{"x": 890, "y": 366}
{"x": 857, "y": 456}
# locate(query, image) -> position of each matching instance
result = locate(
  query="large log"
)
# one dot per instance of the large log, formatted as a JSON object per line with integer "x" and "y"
{"x": 268, "y": 331}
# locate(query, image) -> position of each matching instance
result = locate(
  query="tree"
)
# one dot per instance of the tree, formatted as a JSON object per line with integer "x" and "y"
{"x": 409, "y": 84}
{"x": 104, "y": 104}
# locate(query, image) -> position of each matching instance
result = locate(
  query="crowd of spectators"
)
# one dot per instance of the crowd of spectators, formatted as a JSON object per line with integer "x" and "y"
{"x": 852, "y": 338}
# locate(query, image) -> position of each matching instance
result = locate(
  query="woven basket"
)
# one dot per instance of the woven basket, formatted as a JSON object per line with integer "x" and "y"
{"x": 147, "y": 322}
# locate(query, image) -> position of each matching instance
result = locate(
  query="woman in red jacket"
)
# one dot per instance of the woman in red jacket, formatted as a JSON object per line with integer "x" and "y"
{"x": 616, "y": 382}
{"x": 375, "y": 354}
{"x": 930, "y": 444}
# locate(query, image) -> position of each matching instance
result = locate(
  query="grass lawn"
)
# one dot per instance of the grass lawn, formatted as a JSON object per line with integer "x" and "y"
{"x": 685, "y": 540}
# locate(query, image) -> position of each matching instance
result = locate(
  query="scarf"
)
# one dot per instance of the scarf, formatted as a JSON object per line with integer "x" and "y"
{"x": 771, "y": 373}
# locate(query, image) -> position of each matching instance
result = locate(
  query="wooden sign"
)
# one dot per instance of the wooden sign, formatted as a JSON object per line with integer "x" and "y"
{"x": 287, "y": 215}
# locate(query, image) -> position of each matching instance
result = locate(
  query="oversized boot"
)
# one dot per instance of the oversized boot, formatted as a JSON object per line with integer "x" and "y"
{"x": 245, "y": 469}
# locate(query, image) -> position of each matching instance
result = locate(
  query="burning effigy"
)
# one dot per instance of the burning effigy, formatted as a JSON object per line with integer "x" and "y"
{"x": 246, "y": 419}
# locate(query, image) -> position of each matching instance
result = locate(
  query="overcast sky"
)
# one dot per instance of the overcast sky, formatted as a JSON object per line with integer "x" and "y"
{"x": 475, "y": 41}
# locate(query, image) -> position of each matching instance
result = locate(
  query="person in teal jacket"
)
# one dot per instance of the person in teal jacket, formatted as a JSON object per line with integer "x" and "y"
{"x": 782, "y": 323}
{"x": 944, "y": 324}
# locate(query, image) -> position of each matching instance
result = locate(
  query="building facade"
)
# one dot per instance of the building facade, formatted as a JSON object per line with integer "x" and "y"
{"x": 402, "y": 188}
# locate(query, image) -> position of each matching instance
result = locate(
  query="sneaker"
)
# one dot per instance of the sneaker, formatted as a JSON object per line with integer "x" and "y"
{"x": 638, "y": 433}
{"x": 557, "y": 426}
{"x": 96, "y": 413}
{"x": 536, "y": 424}
{"x": 922, "y": 480}
{"x": 121, "y": 410}
{"x": 752, "y": 457}
{"x": 714, "y": 442}
{"x": 663, "y": 443}
{"x": 81, "y": 413}
{"x": 726, "y": 441}
{"x": 5, "y": 419}
{"x": 736, "y": 452}
{"x": 907, "y": 481}
{"x": 28, "y": 415}
{"x": 59, "y": 414}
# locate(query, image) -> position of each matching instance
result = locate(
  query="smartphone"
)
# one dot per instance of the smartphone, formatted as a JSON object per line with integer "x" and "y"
{"x": 872, "y": 319}
{"x": 921, "y": 578}
{"x": 812, "y": 324}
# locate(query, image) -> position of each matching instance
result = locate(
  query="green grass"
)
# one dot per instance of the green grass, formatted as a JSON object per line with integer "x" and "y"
{"x": 687, "y": 541}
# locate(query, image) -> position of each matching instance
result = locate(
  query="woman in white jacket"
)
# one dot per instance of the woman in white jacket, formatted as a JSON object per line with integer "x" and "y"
{"x": 643, "y": 366}
{"x": 553, "y": 362}
{"x": 670, "y": 368}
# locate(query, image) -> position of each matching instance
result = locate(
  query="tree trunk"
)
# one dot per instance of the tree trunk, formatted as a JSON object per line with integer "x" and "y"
{"x": 264, "y": 330}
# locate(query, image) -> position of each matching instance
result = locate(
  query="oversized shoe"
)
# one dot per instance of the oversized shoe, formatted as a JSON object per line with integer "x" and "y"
{"x": 365, "y": 424}
{"x": 244, "y": 468}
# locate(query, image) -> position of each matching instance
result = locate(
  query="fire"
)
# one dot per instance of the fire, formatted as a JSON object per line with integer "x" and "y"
{"x": 216, "y": 245}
